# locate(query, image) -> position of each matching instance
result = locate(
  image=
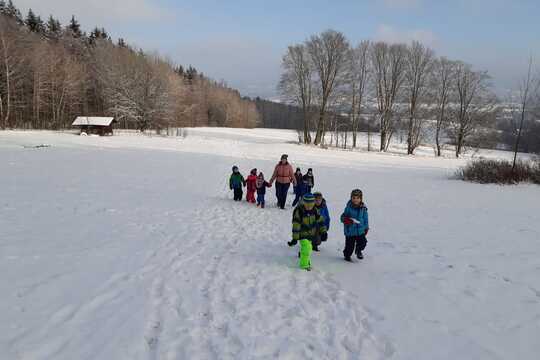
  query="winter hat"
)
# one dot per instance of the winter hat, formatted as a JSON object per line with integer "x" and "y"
{"x": 235, "y": 168}
{"x": 317, "y": 194}
{"x": 356, "y": 192}
{"x": 308, "y": 198}
{"x": 253, "y": 171}
{"x": 284, "y": 157}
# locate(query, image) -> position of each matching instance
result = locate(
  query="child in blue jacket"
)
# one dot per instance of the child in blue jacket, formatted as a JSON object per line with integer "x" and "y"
{"x": 320, "y": 204}
{"x": 356, "y": 225}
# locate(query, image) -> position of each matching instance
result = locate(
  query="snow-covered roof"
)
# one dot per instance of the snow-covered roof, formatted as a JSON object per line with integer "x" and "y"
{"x": 92, "y": 120}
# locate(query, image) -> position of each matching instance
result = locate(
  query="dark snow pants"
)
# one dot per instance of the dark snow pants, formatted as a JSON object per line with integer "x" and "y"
{"x": 281, "y": 193}
{"x": 352, "y": 242}
{"x": 238, "y": 193}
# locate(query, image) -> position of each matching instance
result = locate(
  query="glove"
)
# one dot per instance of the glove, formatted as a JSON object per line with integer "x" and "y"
{"x": 347, "y": 221}
{"x": 292, "y": 242}
{"x": 367, "y": 230}
{"x": 324, "y": 237}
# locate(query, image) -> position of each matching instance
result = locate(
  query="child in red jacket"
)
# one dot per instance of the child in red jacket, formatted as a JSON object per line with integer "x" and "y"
{"x": 251, "y": 186}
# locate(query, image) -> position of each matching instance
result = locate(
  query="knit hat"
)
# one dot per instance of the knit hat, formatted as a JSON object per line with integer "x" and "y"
{"x": 308, "y": 198}
{"x": 234, "y": 168}
{"x": 356, "y": 192}
{"x": 317, "y": 194}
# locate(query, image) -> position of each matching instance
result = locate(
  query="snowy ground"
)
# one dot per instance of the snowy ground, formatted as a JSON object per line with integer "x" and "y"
{"x": 129, "y": 247}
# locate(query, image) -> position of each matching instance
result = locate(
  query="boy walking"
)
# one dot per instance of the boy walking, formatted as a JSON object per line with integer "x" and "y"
{"x": 236, "y": 181}
{"x": 308, "y": 229}
{"x": 261, "y": 189}
{"x": 356, "y": 226}
{"x": 320, "y": 204}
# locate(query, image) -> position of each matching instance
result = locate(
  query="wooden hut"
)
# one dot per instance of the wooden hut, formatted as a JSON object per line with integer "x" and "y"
{"x": 94, "y": 125}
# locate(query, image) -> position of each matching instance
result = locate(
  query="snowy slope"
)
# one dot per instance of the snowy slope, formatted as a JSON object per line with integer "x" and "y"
{"x": 129, "y": 247}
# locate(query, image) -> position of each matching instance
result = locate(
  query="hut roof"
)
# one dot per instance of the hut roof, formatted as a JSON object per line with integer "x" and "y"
{"x": 92, "y": 120}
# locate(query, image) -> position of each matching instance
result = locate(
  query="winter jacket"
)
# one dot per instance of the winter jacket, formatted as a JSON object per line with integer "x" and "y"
{"x": 301, "y": 188}
{"x": 251, "y": 183}
{"x": 261, "y": 186}
{"x": 236, "y": 181}
{"x": 309, "y": 180}
{"x": 283, "y": 174}
{"x": 298, "y": 178}
{"x": 307, "y": 225}
{"x": 323, "y": 210}
{"x": 359, "y": 213}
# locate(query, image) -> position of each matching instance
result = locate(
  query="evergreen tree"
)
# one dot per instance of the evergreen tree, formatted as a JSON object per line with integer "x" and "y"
{"x": 14, "y": 13}
{"x": 53, "y": 28}
{"x": 33, "y": 22}
{"x": 179, "y": 70}
{"x": 191, "y": 73}
{"x": 75, "y": 27}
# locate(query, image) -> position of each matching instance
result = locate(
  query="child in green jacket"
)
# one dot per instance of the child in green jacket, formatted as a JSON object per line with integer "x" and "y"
{"x": 308, "y": 229}
{"x": 236, "y": 181}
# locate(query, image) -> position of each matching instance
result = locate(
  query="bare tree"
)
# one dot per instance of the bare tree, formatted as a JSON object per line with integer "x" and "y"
{"x": 296, "y": 83}
{"x": 528, "y": 88}
{"x": 419, "y": 63}
{"x": 12, "y": 59}
{"x": 388, "y": 63}
{"x": 357, "y": 81}
{"x": 443, "y": 83}
{"x": 328, "y": 52}
{"x": 474, "y": 103}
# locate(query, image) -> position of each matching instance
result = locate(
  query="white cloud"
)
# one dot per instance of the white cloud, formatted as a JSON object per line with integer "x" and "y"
{"x": 97, "y": 12}
{"x": 400, "y": 4}
{"x": 392, "y": 35}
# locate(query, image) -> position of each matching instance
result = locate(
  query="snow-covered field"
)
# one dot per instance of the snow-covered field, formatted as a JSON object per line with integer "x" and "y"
{"x": 130, "y": 247}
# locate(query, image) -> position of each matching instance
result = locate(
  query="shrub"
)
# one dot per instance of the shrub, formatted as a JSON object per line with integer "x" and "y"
{"x": 486, "y": 171}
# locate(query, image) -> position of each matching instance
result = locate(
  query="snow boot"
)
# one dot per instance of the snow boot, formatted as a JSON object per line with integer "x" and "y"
{"x": 305, "y": 254}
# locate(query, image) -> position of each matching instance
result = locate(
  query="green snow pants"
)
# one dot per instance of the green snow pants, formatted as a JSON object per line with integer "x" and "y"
{"x": 305, "y": 254}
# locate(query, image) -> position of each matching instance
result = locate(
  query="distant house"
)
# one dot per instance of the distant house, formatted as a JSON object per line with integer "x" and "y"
{"x": 94, "y": 125}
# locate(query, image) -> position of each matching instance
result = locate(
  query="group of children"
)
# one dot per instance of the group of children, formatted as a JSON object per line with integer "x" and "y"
{"x": 311, "y": 218}
{"x": 253, "y": 184}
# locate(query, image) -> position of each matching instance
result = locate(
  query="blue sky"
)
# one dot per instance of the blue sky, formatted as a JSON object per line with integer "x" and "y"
{"x": 242, "y": 41}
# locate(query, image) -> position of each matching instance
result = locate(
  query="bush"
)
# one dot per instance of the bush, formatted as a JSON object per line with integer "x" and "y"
{"x": 535, "y": 174}
{"x": 487, "y": 171}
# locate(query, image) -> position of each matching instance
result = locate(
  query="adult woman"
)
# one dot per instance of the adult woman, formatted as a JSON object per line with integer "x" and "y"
{"x": 284, "y": 176}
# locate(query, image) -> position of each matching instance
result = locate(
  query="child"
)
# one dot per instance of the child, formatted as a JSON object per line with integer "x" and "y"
{"x": 261, "y": 189}
{"x": 251, "y": 186}
{"x": 320, "y": 204}
{"x": 301, "y": 190}
{"x": 298, "y": 175}
{"x": 236, "y": 181}
{"x": 356, "y": 225}
{"x": 309, "y": 180}
{"x": 308, "y": 228}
